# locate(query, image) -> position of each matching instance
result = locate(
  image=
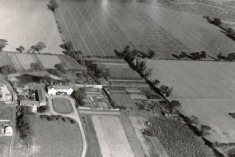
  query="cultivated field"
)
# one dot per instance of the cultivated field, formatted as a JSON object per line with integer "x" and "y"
{"x": 150, "y": 148}
{"x": 111, "y": 137}
{"x": 56, "y": 138}
{"x": 62, "y": 105}
{"x": 97, "y": 27}
{"x": 178, "y": 140}
{"x": 205, "y": 89}
{"x": 28, "y": 22}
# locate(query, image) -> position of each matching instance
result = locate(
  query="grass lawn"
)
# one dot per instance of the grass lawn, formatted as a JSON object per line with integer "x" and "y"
{"x": 56, "y": 138}
{"x": 62, "y": 105}
{"x": 6, "y": 112}
{"x": 4, "y": 146}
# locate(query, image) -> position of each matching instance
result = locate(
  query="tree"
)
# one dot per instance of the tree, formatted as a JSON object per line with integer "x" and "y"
{"x": 40, "y": 46}
{"x": 7, "y": 69}
{"x": 36, "y": 66}
{"x": 79, "y": 95}
{"x": 203, "y": 54}
{"x": 3, "y": 43}
{"x": 166, "y": 90}
{"x": 68, "y": 46}
{"x": 194, "y": 120}
{"x": 174, "y": 104}
{"x": 230, "y": 32}
{"x": 60, "y": 67}
{"x": 205, "y": 130}
{"x": 20, "y": 49}
{"x": 151, "y": 53}
{"x": 52, "y": 5}
{"x": 148, "y": 72}
{"x": 155, "y": 82}
{"x": 217, "y": 21}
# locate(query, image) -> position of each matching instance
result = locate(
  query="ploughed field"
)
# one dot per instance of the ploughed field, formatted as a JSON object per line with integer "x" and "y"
{"x": 28, "y": 22}
{"x": 99, "y": 27}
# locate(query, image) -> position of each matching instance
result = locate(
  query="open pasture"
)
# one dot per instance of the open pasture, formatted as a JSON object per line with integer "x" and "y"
{"x": 28, "y": 22}
{"x": 111, "y": 136}
{"x": 98, "y": 27}
{"x": 56, "y": 138}
{"x": 205, "y": 90}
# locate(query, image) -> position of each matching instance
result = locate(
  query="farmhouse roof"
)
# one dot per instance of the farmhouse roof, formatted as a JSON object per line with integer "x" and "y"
{"x": 29, "y": 102}
{"x": 41, "y": 95}
{"x": 60, "y": 87}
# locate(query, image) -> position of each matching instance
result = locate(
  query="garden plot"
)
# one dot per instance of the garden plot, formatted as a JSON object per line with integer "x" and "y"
{"x": 48, "y": 61}
{"x": 123, "y": 100}
{"x": 28, "y": 22}
{"x": 111, "y": 137}
{"x": 25, "y": 60}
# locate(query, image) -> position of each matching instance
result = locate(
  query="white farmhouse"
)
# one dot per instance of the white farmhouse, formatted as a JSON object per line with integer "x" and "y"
{"x": 55, "y": 90}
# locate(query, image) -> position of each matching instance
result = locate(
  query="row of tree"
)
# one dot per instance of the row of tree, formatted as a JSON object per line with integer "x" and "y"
{"x": 24, "y": 124}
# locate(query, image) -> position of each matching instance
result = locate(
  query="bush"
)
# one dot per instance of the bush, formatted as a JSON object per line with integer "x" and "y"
{"x": 49, "y": 118}
{"x": 72, "y": 121}
{"x": 43, "y": 109}
{"x": 217, "y": 21}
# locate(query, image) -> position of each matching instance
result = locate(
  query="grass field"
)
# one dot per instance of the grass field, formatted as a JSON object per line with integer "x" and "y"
{"x": 61, "y": 105}
{"x": 28, "y": 22}
{"x": 56, "y": 138}
{"x": 49, "y": 61}
{"x": 98, "y": 27}
{"x": 121, "y": 72}
{"x": 116, "y": 143}
{"x": 202, "y": 88}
